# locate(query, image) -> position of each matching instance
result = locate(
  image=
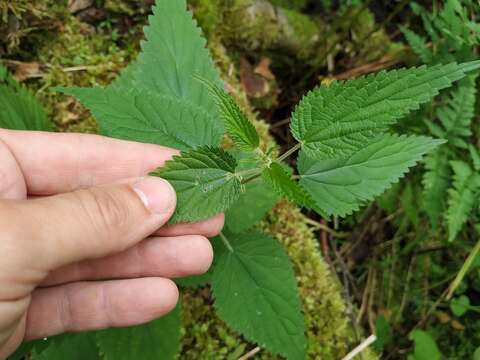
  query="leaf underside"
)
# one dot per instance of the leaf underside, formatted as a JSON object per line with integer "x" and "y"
{"x": 337, "y": 120}
{"x": 205, "y": 183}
{"x": 256, "y": 294}
{"x": 340, "y": 186}
{"x": 148, "y": 117}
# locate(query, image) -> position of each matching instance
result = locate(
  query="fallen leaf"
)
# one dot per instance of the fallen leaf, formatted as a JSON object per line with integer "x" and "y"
{"x": 22, "y": 71}
{"x": 263, "y": 69}
{"x": 75, "y": 6}
{"x": 255, "y": 86}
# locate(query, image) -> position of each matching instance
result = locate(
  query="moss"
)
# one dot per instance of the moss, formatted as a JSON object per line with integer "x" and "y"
{"x": 290, "y": 4}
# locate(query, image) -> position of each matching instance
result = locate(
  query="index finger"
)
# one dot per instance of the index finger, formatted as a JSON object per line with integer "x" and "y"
{"x": 54, "y": 163}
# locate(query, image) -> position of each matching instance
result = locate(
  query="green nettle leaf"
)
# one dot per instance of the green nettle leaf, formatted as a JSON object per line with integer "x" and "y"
{"x": 147, "y": 117}
{"x": 251, "y": 206}
{"x": 281, "y": 181}
{"x": 19, "y": 108}
{"x": 340, "y": 186}
{"x": 425, "y": 346}
{"x": 256, "y": 294}
{"x": 239, "y": 128}
{"x": 205, "y": 182}
{"x": 157, "y": 99}
{"x": 159, "y": 339}
{"x": 338, "y": 119}
{"x": 460, "y": 305}
{"x": 462, "y": 197}
{"x": 79, "y": 346}
{"x": 173, "y": 54}
{"x": 436, "y": 181}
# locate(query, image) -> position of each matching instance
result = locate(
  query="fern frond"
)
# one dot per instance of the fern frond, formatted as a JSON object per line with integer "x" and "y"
{"x": 436, "y": 180}
{"x": 462, "y": 197}
{"x": 456, "y": 114}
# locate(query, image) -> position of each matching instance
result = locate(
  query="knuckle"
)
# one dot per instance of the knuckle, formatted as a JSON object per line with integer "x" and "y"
{"x": 105, "y": 209}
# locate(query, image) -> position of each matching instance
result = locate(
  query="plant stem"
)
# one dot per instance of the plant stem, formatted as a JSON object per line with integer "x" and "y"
{"x": 363, "y": 345}
{"x": 289, "y": 152}
{"x": 463, "y": 271}
{"x": 226, "y": 242}
{"x": 253, "y": 177}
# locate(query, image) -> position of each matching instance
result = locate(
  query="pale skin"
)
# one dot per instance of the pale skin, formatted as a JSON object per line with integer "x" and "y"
{"x": 84, "y": 243}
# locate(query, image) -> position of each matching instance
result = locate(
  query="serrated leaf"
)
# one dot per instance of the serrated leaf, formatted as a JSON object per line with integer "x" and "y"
{"x": 418, "y": 45}
{"x": 78, "y": 346}
{"x": 205, "y": 182}
{"x": 436, "y": 180}
{"x": 159, "y": 339}
{"x": 148, "y": 117}
{"x": 341, "y": 186}
{"x": 19, "y": 108}
{"x": 251, "y": 206}
{"x": 281, "y": 181}
{"x": 462, "y": 197}
{"x": 338, "y": 119}
{"x": 173, "y": 53}
{"x": 238, "y": 127}
{"x": 256, "y": 294}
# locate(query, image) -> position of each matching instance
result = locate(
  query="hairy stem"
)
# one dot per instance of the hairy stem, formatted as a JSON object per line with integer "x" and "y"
{"x": 226, "y": 242}
{"x": 289, "y": 152}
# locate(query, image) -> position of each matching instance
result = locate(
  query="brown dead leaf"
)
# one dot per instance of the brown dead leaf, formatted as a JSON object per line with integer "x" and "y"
{"x": 22, "y": 71}
{"x": 443, "y": 317}
{"x": 75, "y": 6}
{"x": 263, "y": 69}
{"x": 255, "y": 86}
{"x": 457, "y": 325}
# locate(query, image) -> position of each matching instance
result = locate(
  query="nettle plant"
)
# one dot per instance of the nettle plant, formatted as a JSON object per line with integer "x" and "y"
{"x": 173, "y": 96}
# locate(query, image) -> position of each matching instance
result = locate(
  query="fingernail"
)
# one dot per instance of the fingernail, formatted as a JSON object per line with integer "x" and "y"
{"x": 157, "y": 195}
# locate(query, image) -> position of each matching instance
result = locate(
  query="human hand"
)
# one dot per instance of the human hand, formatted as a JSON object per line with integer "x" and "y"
{"x": 74, "y": 210}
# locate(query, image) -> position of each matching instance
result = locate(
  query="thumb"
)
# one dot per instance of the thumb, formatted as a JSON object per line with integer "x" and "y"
{"x": 85, "y": 224}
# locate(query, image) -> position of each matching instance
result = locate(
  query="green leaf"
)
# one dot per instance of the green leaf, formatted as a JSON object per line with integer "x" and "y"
{"x": 159, "y": 339}
{"x": 460, "y": 305}
{"x": 173, "y": 53}
{"x": 239, "y": 128}
{"x": 436, "y": 180}
{"x": 383, "y": 331}
{"x": 418, "y": 45}
{"x": 425, "y": 346}
{"x": 256, "y": 294}
{"x": 205, "y": 182}
{"x": 340, "y": 186}
{"x": 279, "y": 178}
{"x": 20, "y": 109}
{"x": 456, "y": 114}
{"x": 143, "y": 116}
{"x": 462, "y": 197}
{"x": 476, "y": 354}
{"x": 78, "y": 346}
{"x": 336, "y": 120}
{"x": 251, "y": 206}
{"x": 35, "y": 346}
